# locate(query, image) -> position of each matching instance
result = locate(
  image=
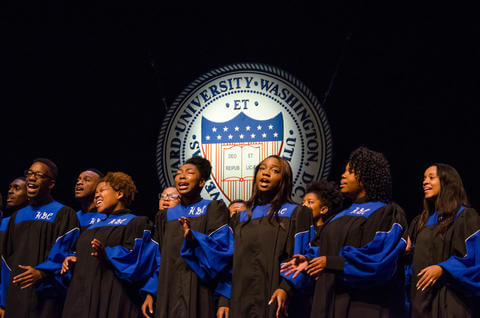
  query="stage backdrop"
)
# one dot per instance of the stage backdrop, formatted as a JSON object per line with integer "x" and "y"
{"x": 237, "y": 115}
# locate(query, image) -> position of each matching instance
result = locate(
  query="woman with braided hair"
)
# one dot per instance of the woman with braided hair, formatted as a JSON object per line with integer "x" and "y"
{"x": 354, "y": 261}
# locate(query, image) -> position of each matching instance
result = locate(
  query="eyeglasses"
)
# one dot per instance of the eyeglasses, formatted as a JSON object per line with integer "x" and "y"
{"x": 165, "y": 196}
{"x": 37, "y": 174}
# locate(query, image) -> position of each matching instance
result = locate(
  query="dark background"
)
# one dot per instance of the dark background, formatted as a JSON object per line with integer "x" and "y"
{"x": 86, "y": 83}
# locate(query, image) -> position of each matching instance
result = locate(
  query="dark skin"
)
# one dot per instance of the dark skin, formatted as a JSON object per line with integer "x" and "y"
{"x": 108, "y": 201}
{"x": 189, "y": 184}
{"x": 17, "y": 195}
{"x": 147, "y": 307}
{"x": 269, "y": 175}
{"x": 351, "y": 187}
{"x": 85, "y": 189}
{"x": 188, "y": 174}
{"x": 39, "y": 183}
{"x": 429, "y": 276}
{"x": 431, "y": 185}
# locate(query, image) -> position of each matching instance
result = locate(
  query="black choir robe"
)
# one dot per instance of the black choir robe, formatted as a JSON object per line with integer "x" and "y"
{"x": 192, "y": 271}
{"x": 64, "y": 247}
{"x": 4, "y": 270}
{"x": 88, "y": 218}
{"x": 363, "y": 245}
{"x": 261, "y": 245}
{"x": 32, "y": 235}
{"x": 457, "y": 251}
{"x": 111, "y": 287}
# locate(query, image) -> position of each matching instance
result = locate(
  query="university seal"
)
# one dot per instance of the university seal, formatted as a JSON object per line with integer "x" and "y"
{"x": 237, "y": 115}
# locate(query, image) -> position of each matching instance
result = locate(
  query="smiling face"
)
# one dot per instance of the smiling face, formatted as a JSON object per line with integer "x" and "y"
{"x": 269, "y": 175}
{"x": 107, "y": 200}
{"x": 39, "y": 181}
{"x": 86, "y": 184}
{"x": 350, "y": 186}
{"x": 431, "y": 183}
{"x": 17, "y": 194}
{"x": 188, "y": 180}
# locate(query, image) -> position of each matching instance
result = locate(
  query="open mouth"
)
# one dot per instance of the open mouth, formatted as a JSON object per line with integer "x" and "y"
{"x": 32, "y": 187}
{"x": 183, "y": 186}
{"x": 98, "y": 202}
{"x": 264, "y": 182}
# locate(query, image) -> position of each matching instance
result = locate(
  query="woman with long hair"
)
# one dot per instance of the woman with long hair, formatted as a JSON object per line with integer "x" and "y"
{"x": 445, "y": 239}
{"x": 356, "y": 254}
{"x": 271, "y": 230}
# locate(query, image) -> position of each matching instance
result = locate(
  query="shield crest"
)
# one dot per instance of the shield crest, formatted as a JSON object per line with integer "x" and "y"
{"x": 235, "y": 147}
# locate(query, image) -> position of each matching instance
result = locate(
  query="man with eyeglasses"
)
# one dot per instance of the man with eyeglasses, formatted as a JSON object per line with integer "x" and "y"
{"x": 35, "y": 236}
{"x": 168, "y": 198}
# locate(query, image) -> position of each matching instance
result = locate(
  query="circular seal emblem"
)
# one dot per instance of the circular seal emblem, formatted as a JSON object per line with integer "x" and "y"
{"x": 237, "y": 115}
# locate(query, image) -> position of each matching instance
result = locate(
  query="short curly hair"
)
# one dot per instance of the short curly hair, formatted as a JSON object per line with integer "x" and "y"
{"x": 329, "y": 194}
{"x": 203, "y": 165}
{"x": 372, "y": 169}
{"x": 122, "y": 182}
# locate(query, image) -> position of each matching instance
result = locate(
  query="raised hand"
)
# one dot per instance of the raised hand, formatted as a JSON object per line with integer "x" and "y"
{"x": 98, "y": 249}
{"x": 316, "y": 265}
{"x": 185, "y": 223}
{"x": 297, "y": 264}
{"x": 66, "y": 264}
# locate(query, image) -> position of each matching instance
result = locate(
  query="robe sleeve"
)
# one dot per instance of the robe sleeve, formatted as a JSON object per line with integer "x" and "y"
{"x": 301, "y": 235}
{"x": 67, "y": 231}
{"x": 224, "y": 282}
{"x": 383, "y": 242}
{"x": 312, "y": 251}
{"x": 464, "y": 268}
{"x": 407, "y": 261}
{"x": 5, "y": 273}
{"x": 151, "y": 285}
{"x": 4, "y": 269}
{"x": 5, "y": 251}
{"x": 223, "y": 287}
{"x": 136, "y": 258}
{"x": 210, "y": 253}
